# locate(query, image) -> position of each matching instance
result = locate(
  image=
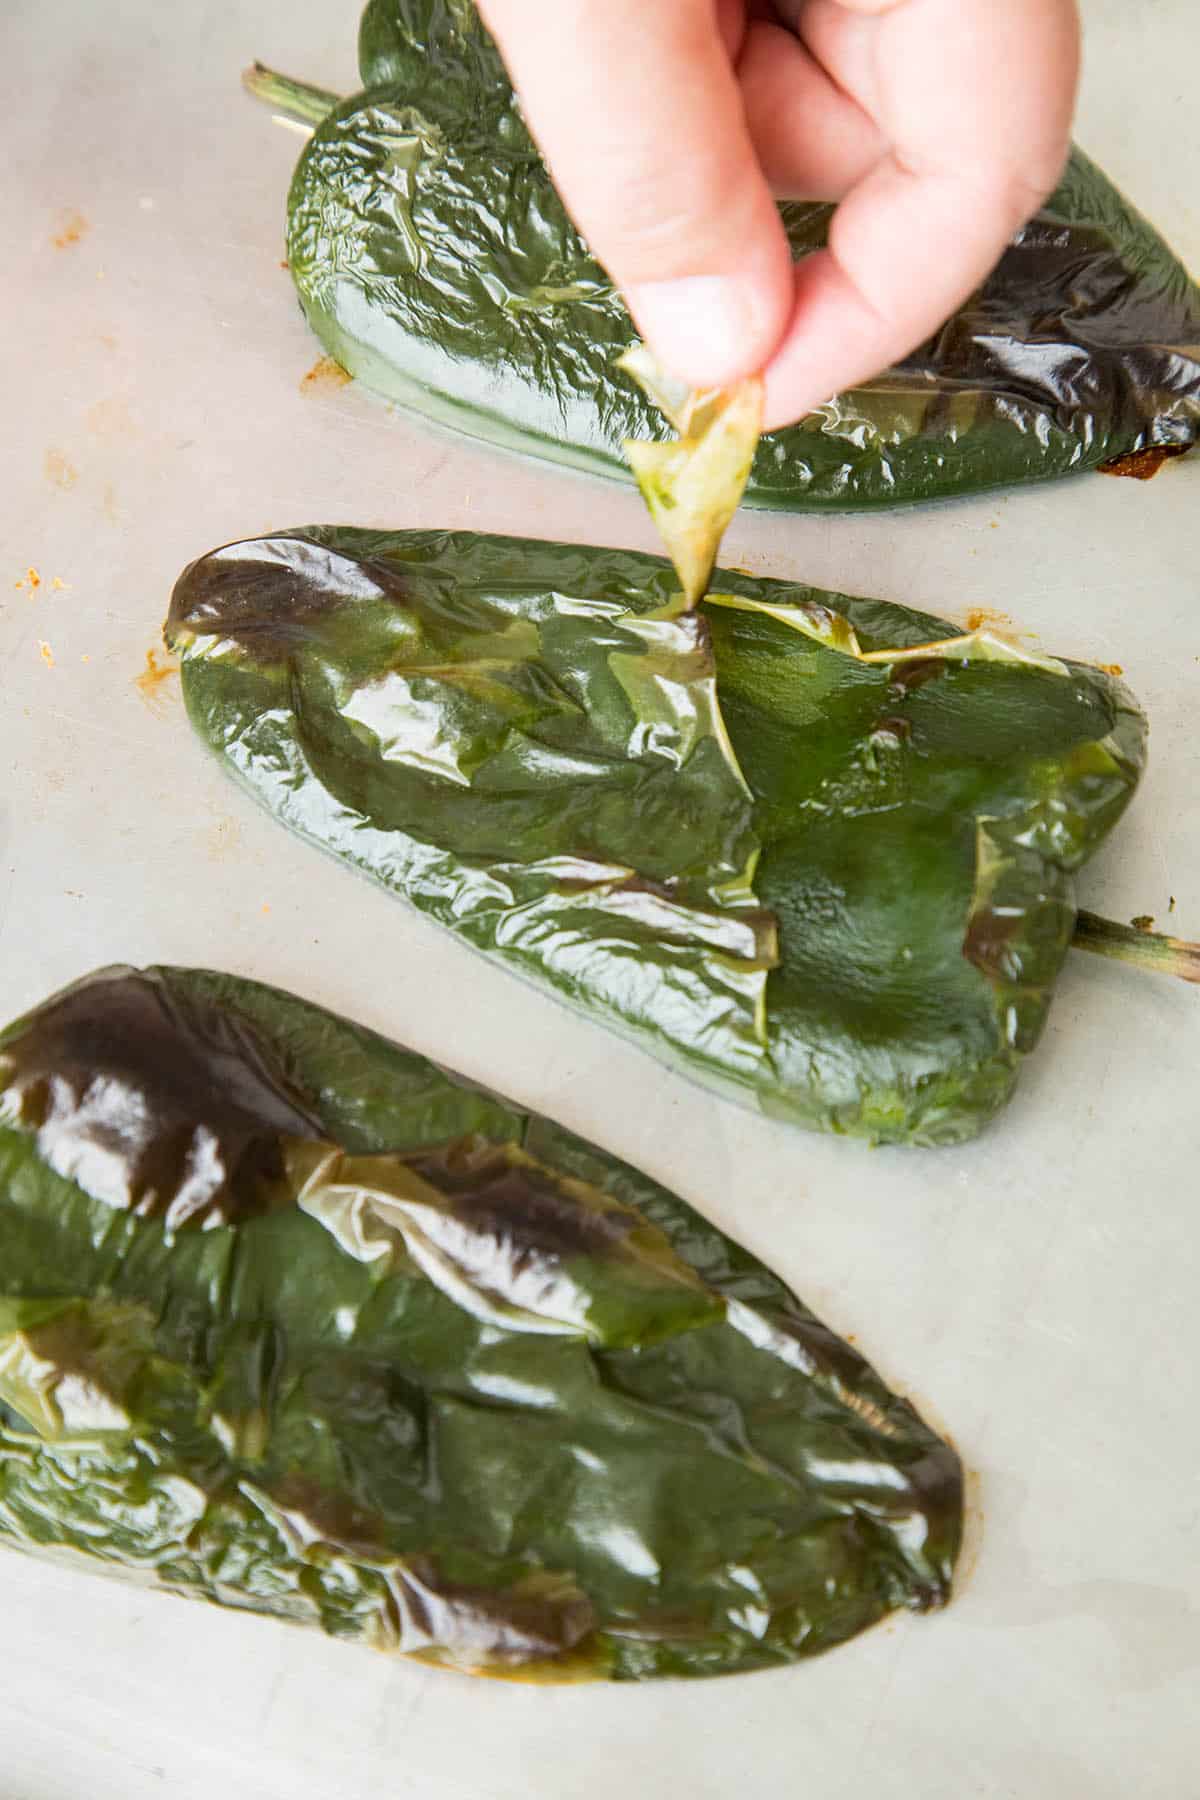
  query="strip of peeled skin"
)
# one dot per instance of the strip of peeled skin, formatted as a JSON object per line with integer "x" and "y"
{"x": 694, "y": 485}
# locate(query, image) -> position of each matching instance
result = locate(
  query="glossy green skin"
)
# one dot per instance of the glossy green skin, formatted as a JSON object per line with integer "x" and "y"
{"x": 851, "y": 915}
{"x": 240, "y": 1409}
{"x": 435, "y": 261}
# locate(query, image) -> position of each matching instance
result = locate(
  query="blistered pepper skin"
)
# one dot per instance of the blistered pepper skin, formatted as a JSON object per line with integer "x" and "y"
{"x": 435, "y": 261}
{"x": 293, "y": 1321}
{"x": 817, "y": 852}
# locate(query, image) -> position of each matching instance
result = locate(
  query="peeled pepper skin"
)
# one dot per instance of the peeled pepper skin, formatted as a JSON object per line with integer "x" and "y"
{"x": 435, "y": 261}
{"x": 292, "y": 1320}
{"x": 835, "y": 888}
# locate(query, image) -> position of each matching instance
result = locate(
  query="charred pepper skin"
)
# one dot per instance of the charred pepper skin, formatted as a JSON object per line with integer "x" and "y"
{"x": 815, "y": 851}
{"x": 293, "y": 1321}
{"x": 435, "y": 261}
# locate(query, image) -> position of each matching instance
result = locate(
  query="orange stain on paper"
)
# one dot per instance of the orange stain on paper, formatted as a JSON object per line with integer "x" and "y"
{"x": 151, "y": 681}
{"x": 981, "y": 616}
{"x": 72, "y": 228}
{"x": 325, "y": 373}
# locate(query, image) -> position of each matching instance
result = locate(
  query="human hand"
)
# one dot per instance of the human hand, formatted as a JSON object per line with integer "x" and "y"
{"x": 669, "y": 125}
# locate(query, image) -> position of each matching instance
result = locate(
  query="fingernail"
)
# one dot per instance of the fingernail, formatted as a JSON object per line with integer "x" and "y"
{"x": 707, "y": 329}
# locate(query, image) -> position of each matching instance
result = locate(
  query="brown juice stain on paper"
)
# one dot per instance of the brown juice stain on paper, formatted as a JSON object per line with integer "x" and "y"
{"x": 60, "y": 470}
{"x": 72, "y": 227}
{"x": 325, "y": 373}
{"x": 46, "y": 653}
{"x": 151, "y": 683}
{"x": 1143, "y": 465}
{"x": 973, "y": 1524}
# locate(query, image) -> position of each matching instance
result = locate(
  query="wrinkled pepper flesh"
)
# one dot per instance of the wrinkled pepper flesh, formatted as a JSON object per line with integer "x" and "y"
{"x": 816, "y": 851}
{"x": 436, "y": 262}
{"x": 294, "y": 1321}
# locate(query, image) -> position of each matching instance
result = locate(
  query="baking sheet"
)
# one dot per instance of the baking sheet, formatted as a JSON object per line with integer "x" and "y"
{"x": 1034, "y": 1293}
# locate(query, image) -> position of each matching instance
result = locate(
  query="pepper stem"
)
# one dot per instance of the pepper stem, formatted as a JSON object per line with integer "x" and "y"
{"x": 296, "y": 100}
{"x": 1144, "y": 949}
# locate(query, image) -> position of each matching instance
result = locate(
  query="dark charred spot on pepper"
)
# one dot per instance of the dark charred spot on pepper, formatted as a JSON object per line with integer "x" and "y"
{"x": 326, "y": 1515}
{"x": 937, "y": 1477}
{"x": 906, "y": 677}
{"x": 272, "y": 595}
{"x": 988, "y": 941}
{"x": 170, "y": 1110}
{"x": 531, "y": 1621}
{"x": 700, "y": 627}
{"x": 1143, "y": 465}
{"x": 511, "y": 1199}
{"x": 89, "y": 1358}
{"x": 893, "y": 726}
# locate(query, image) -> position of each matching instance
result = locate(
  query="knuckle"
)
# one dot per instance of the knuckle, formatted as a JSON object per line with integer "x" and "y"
{"x": 1027, "y": 187}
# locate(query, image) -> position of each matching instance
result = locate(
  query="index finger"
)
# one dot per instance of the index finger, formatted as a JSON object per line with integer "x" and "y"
{"x": 640, "y": 118}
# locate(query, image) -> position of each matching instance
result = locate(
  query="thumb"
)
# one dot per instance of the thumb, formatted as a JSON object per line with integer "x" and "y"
{"x": 639, "y": 115}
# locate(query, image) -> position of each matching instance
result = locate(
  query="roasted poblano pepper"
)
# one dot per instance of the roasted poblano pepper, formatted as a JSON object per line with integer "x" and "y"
{"x": 294, "y": 1321}
{"x": 435, "y": 261}
{"x": 814, "y": 850}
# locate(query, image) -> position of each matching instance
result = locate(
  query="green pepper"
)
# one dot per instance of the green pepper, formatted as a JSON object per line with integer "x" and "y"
{"x": 816, "y": 851}
{"x": 294, "y": 1321}
{"x": 435, "y": 261}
